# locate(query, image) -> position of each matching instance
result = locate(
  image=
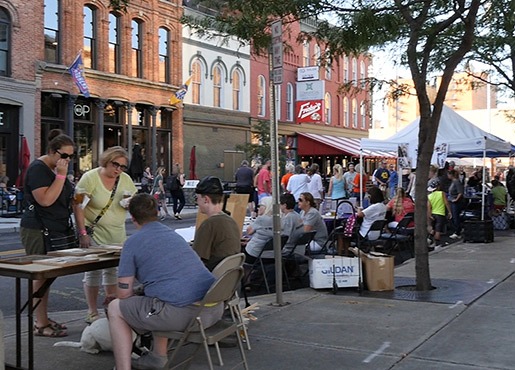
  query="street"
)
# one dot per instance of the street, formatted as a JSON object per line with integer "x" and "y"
{"x": 66, "y": 292}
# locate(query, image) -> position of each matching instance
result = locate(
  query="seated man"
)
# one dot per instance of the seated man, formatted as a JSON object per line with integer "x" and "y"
{"x": 174, "y": 279}
{"x": 219, "y": 235}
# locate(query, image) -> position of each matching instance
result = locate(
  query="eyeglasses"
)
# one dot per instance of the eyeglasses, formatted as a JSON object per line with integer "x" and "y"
{"x": 301, "y": 200}
{"x": 65, "y": 155}
{"x": 118, "y": 165}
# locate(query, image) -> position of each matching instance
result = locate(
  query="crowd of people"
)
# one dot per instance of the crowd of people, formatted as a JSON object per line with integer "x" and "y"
{"x": 175, "y": 276}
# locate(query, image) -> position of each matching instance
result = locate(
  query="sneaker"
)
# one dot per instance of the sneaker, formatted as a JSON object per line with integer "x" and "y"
{"x": 163, "y": 218}
{"x": 149, "y": 360}
{"x": 177, "y": 216}
{"x": 431, "y": 247}
{"x": 454, "y": 236}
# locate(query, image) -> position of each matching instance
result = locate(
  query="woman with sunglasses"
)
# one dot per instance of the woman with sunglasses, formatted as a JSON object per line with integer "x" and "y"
{"x": 48, "y": 196}
{"x": 99, "y": 184}
{"x": 312, "y": 220}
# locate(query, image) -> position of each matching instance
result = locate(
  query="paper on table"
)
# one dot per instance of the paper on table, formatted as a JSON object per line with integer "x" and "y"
{"x": 187, "y": 233}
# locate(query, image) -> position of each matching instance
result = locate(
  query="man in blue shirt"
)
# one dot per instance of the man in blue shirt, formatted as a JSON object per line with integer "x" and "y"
{"x": 174, "y": 280}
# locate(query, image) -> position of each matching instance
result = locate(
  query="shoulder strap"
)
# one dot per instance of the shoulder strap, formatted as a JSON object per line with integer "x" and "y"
{"x": 104, "y": 210}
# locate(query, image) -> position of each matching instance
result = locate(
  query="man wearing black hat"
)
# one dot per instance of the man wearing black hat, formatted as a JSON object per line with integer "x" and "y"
{"x": 219, "y": 235}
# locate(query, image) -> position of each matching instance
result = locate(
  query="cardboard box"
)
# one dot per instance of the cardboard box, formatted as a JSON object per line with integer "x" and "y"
{"x": 378, "y": 271}
{"x": 347, "y": 272}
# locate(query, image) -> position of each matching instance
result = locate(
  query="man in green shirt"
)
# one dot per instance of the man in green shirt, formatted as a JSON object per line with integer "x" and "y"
{"x": 219, "y": 235}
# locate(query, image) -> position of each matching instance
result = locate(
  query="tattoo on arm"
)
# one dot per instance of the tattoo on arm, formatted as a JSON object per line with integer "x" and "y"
{"x": 123, "y": 285}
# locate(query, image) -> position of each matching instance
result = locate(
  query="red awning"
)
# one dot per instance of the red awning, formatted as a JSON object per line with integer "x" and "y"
{"x": 314, "y": 144}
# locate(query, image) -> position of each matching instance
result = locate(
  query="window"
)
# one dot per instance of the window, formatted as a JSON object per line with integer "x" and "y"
{"x": 5, "y": 35}
{"x": 354, "y": 72}
{"x": 305, "y": 54}
{"x": 90, "y": 37}
{"x": 346, "y": 68}
{"x": 363, "y": 111}
{"x": 196, "y": 82}
{"x": 317, "y": 54}
{"x": 354, "y": 114}
{"x": 261, "y": 102}
{"x": 114, "y": 44}
{"x": 289, "y": 102}
{"x": 362, "y": 71}
{"x": 236, "y": 90}
{"x": 52, "y": 31}
{"x": 346, "y": 111}
{"x": 277, "y": 102}
{"x": 164, "y": 55}
{"x": 137, "y": 45}
{"x": 217, "y": 86}
{"x": 327, "y": 108}
{"x": 328, "y": 66}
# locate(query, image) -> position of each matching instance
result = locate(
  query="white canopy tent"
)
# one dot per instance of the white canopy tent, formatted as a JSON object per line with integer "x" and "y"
{"x": 463, "y": 139}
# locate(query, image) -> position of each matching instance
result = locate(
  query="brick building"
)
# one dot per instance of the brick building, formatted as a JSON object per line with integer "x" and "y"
{"x": 132, "y": 65}
{"x": 342, "y": 116}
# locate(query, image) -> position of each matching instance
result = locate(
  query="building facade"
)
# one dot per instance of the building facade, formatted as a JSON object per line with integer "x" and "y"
{"x": 132, "y": 63}
{"x": 217, "y": 105}
{"x": 340, "y": 114}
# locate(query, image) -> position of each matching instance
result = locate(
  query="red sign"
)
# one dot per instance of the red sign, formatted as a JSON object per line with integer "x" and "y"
{"x": 310, "y": 111}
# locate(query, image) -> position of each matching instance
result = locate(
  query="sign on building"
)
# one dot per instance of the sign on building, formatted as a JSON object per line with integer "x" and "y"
{"x": 310, "y": 90}
{"x": 308, "y": 73}
{"x": 310, "y": 111}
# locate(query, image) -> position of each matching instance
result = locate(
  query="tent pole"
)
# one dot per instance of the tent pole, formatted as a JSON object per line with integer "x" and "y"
{"x": 483, "y": 184}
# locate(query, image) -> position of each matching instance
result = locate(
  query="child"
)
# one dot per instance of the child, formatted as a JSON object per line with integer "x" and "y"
{"x": 437, "y": 203}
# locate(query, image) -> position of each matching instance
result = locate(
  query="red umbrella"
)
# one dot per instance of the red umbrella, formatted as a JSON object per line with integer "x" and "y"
{"x": 24, "y": 162}
{"x": 193, "y": 163}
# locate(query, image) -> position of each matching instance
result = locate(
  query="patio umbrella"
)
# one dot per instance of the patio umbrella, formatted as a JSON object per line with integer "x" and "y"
{"x": 24, "y": 162}
{"x": 193, "y": 163}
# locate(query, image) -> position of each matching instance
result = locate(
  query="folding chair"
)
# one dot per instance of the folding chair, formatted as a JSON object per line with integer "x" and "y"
{"x": 221, "y": 291}
{"x": 399, "y": 236}
{"x": 373, "y": 237}
{"x": 229, "y": 263}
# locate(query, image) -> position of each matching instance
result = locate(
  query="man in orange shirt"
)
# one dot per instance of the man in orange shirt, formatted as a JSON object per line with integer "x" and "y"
{"x": 264, "y": 181}
{"x": 289, "y": 173}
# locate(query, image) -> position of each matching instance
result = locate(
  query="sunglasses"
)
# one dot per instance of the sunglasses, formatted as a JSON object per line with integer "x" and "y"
{"x": 65, "y": 155}
{"x": 118, "y": 165}
{"x": 301, "y": 200}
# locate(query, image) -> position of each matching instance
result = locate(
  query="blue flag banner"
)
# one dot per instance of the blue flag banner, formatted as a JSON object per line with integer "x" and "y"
{"x": 77, "y": 72}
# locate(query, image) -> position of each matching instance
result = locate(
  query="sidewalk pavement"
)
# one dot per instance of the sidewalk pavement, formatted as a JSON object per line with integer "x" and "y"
{"x": 466, "y": 323}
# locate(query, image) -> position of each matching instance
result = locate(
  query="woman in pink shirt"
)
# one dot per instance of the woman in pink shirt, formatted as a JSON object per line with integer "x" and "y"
{"x": 399, "y": 206}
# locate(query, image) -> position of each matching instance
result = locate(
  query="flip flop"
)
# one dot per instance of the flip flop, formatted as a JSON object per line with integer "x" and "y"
{"x": 52, "y": 332}
{"x": 92, "y": 317}
{"x": 57, "y": 325}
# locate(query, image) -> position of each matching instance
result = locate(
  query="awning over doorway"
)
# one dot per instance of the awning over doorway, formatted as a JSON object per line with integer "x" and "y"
{"x": 315, "y": 144}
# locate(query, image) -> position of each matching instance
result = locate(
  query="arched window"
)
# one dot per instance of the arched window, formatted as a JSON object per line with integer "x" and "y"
{"x": 261, "y": 100}
{"x": 52, "y": 35}
{"x": 363, "y": 74}
{"x": 114, "y": 44}
{"x": 289, "y": 102}
{"x": 363, "y": 111}
{"x": 277, "y": 101}
{"x": 236, "y": 89}
{"x": 354, "y": 113}
{"x": 328, "y": 66}
{"x": 137, "y": 48}
{"x": 90, "y": 37}
{"x": 317, "y": 55}
{"x": 328, "y": 108}
{"x": 217, "y": 86}
{"x": 354, "y": 72}
{"x": 164, "y": 55}
{"x": 196, "y": 82}
{"x": 305, "y": 54}
{"x": 346, "y": 111}
{"x": 5, "y": 36}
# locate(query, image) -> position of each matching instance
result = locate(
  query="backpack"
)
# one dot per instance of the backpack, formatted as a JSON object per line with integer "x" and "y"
{"x": 172, "y": 183}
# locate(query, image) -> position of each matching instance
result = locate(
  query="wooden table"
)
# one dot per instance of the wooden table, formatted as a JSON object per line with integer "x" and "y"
{"x": 37, "y": 271}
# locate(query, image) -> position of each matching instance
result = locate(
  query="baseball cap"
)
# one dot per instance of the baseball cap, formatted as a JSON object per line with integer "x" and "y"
{"x": 209, "y": 185}
{"x": 433, "y": 185}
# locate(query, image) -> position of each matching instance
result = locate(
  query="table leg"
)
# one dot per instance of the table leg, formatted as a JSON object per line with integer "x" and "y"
{"x": 18, "y": 322}
{"x": 30, "y": 325}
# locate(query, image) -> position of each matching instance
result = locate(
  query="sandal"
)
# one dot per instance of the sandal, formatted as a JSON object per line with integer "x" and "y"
{"x": 91, "y": 318}
{"x": 55, "y": 325}
{"x": 51, "y": 332}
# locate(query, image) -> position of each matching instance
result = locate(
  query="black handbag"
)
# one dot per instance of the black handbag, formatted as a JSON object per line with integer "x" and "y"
{"x": 57, "y": 240}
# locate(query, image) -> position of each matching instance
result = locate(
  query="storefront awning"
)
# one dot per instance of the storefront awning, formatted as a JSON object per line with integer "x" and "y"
{"x": 315, "y": 144}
